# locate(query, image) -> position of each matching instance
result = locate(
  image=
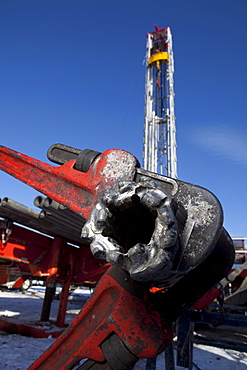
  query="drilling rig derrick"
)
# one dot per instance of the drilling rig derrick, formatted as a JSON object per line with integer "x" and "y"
{"x": 159, "y": 154}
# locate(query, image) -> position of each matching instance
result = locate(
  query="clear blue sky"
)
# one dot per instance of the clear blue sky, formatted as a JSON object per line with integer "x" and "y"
{"x": 71, "y": 71}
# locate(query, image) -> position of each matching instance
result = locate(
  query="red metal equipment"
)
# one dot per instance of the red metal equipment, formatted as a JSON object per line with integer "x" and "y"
{"x": 76, "y": 190}
{"x": 119, "y": 306}
{"x": 52, "y": 260}
{"x": 123, "y": 320}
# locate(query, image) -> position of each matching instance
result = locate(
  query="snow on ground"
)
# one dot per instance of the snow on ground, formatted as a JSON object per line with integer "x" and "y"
{"x": 18, "y": 352}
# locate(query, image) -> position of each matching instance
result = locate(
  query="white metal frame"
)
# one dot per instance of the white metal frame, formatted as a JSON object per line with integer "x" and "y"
{"x": 159, "y": 146}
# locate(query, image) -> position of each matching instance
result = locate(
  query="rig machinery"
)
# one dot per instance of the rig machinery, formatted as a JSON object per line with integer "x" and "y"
{"x": 159, "y": 154}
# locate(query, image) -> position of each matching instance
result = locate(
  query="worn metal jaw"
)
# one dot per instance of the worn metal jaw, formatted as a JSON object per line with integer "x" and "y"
{"x": 134, "y": 227}
{"x": 178, "y": 226}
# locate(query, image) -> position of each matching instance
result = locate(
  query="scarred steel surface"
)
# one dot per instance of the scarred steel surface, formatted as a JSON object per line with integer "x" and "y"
{"x": 151, "y": 261}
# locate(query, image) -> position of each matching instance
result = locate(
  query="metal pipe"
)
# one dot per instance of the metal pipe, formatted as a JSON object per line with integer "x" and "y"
{"x": 52, "y": 204}
{"x": 21, "y": 214}
{"x": 70, "y": 219}
{"x": 19, "y": 208}
{"x": 66, "y": 234}
{"x": 41, "y": 224}
{"x": 39, "y": 201}
{"x": 53, "y": 207}
{"x": 56, "y": 219}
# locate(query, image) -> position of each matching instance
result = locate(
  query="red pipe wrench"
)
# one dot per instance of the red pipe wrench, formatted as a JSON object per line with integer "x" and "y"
{"x": 74, "y": 189}
{"x": 115, "y": 328}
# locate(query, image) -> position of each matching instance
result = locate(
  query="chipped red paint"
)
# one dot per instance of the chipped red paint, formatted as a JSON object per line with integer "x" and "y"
{"x": 76, "y": 190}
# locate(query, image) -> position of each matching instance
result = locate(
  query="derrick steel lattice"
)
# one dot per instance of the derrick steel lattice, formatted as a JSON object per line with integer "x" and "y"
{"x": 159, "y": 153}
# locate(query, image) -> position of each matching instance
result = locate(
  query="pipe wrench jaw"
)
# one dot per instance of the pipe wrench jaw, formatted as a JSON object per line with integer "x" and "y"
{"x": 156, "y": 228}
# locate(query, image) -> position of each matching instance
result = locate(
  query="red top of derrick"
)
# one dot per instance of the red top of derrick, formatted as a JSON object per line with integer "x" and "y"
{"x": 158, "y": 34}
